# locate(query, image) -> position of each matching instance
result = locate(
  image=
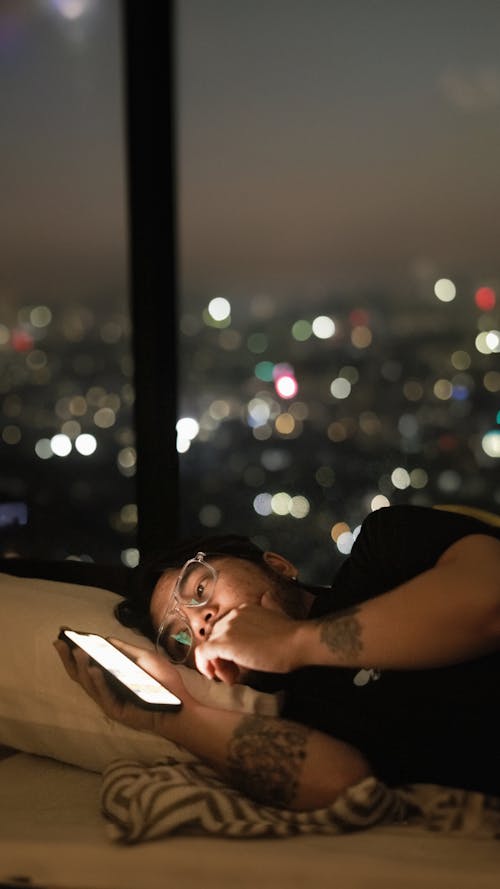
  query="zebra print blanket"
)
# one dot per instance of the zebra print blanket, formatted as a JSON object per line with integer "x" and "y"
{"x": 173, "y": 797}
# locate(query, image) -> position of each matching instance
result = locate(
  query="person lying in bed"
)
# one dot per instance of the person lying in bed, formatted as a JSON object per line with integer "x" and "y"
{"x": 393, "y": 670}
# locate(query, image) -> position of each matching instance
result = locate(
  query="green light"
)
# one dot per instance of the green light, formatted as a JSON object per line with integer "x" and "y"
{"x": 264, "y": 371}
{"x": 301, "y": 331}
{"x": 257, "y": 343}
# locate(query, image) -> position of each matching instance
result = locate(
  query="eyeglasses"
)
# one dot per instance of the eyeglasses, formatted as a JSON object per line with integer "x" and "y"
{"x": 193, "y": 588}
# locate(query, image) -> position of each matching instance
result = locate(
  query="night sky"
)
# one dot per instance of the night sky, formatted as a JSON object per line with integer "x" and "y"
{"x": 328, "y": 143}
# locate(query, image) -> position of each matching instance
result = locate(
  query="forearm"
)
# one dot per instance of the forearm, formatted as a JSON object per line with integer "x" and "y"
{"x": 443, "y": 616}
{"x": 274, "y": 761}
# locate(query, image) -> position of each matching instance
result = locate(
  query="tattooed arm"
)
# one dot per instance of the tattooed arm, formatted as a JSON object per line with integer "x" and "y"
{"x": 446, "y": 615}
{"x": 274, "y": 761}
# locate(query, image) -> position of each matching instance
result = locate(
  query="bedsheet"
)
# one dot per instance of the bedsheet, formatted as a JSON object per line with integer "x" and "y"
{"x": 52, "y": 833}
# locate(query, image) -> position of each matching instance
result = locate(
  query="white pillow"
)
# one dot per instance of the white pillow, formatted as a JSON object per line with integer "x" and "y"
{"x": 43, "y": 712}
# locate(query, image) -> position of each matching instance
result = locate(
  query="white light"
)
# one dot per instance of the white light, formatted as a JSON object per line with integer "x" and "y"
{"x": 188, "y": 428}
{"x": 281, "y": 503}
{"x": 345, "y": 542}
{"x": 323, "y": 327}
{"x": 262, "y": 504}
{"x": 61, "y": 445}
{"x": 43, "y": 449}
{"x": 286, "y": 386}
{"x": 86, "y": 444}
{"x": 219, "y": 308}
{"x": 340, "y": 388}
{"x": 400, "y": 478}
{"x": 491, "y": 443}
{"x": 300, "y": 507}
{"x": 493, "y": 340}
{"x": 130, "y": 557}
{"x": 183, "y": 444}
{"x": 379, "y": 502}
{"x": 445, "y": 290}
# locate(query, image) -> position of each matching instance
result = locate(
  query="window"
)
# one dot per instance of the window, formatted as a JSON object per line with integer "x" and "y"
{"x": 339, "y": 326}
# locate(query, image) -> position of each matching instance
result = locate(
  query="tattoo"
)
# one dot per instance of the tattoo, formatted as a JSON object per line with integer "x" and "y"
{"x": 342, "y": 633}
{"x": 265, "y": 758}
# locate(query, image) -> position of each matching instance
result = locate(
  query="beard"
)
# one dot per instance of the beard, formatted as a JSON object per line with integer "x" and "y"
{"x": 288, "y": 595}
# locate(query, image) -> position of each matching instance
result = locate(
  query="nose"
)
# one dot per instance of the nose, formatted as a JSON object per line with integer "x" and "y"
{"x": 202, "y": 620}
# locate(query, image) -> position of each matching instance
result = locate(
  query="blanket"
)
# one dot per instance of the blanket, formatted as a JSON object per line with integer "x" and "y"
{"x": 186, "y": 797}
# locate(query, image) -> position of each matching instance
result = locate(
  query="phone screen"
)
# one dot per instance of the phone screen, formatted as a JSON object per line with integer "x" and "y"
{"x": 141, "y": 685}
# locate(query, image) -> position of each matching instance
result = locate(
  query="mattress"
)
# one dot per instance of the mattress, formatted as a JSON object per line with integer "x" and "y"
{"x": 52, "y": 834}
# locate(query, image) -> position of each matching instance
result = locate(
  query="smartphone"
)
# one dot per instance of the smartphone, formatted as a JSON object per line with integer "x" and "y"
{"x": 129, "y": 680}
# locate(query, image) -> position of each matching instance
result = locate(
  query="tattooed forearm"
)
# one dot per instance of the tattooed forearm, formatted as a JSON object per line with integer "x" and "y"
{"x": 265, "y": 758}
{"x": 342, "y": 633}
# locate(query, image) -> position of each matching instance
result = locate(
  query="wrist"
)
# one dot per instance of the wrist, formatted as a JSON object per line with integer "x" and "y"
{"x": 304, "y": 645}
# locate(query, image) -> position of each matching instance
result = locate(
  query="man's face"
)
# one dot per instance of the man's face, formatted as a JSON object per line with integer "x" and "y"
{"x": 239, "y": 582}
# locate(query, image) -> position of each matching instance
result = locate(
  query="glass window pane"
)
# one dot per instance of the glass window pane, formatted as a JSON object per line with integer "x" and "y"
{"x": 66, "y": 440}
{"x": 339, "y": 197}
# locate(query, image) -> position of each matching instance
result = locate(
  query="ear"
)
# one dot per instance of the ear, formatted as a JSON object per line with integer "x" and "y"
{"x": 280, "y": 564}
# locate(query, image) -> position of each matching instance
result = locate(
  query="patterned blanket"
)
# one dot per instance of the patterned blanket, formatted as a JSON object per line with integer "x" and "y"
{"x": 186, "y": 797}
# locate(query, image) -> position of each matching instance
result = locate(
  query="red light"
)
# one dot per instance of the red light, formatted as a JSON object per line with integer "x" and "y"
{"x": 485, "y": 299}
{"x": 21, "y": 340}
{"x": 359, "y": 318}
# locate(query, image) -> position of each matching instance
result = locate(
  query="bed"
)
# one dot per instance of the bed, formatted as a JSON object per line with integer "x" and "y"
{"x": 57, "y": 746}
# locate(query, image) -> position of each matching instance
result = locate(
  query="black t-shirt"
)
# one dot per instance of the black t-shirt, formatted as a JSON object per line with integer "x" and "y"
{"x": 433, "y": 726}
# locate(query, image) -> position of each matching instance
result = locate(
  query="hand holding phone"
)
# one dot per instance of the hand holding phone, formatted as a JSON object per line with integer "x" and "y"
{"x": 128, "y": 678}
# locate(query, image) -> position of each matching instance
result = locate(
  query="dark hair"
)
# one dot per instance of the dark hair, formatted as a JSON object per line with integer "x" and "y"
{"x": 133, "y": 611}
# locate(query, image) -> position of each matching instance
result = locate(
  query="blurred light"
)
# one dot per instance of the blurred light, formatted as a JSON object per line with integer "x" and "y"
{"x": 259, "y": 412}
{"x": 36, "y": 359}
{"x": 485, "y": 299}
{"x": 4, "y": 335}
{"x": 301, "y": 331}
{"x": 323, "y": 327}
{"x": 340, "y": 388}
{"x": 284, "y": 424}
{"x": 257, "y": 343}
{"x": 413, "y": 390}
{"x": 299, "y": 410}
{"x": 187, "y": 427}
{"x": 400, "y": 478}
{"x": 300, "y": 507}
{"x": 493, "y": 340}
{"x": 449, "y": 481}
{"x": 350, "y": 373}
{"x": 445, "y": 290}
{"x": 275, "y": 460}
{"x": 491, "y": 381}
{"x": 418, "y": 478}
{"x": 488, "y": 341}
{"x": 219, "y": 308}
{"x": 359, "y": 318}
{"x": 11, "y": 435}
{"x": 264, "y": 371}
{"x": 86, "y": 444}
{"x": 345, "y": 543}
{"x": 71, "y": 428}
{"x": 111, "y": 332}
{"x": 40, "y": 316}
{"x": 262, "y": 433}
{"x": 379, "y": 502}
{"x": 491, "y": 443}
{"x": 408, "y": 425}
{"x": 286, "y": 386}
{"x": 43, "y": 449}
{"x": 443, "y": 389}
{"x": 78, "y": 406}
{"x": 461, "y": 360}
{"x": 369, "y": 423}
{"x": 336, "y": 431}
{"x": 338, "y": 529}
{"x": 21, "y": 340}
{"x": 126, "y": 458}
{"x": 104, "y": 418}
{"x": 281, "y": 503}
{"x": 361, "y": 337}
{"x": 130, "y": 557}
{"x": 262, "y": 504}
{"x": 219, "y": 409}
{"x": 61, "y": 445}
{"x": 210, "y": 515}
{"x": 182, "y": 444}
{"x": 128, "y": 514}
